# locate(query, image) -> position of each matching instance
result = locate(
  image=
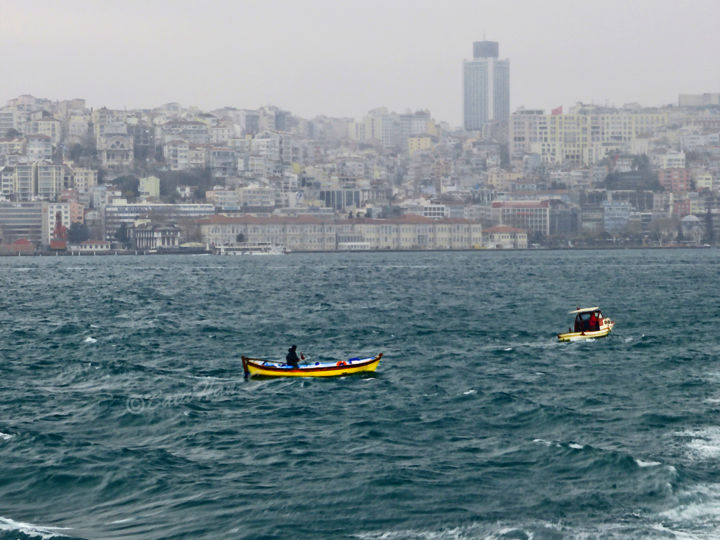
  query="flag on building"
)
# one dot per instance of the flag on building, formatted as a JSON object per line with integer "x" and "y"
{"x": 557, "y": 110}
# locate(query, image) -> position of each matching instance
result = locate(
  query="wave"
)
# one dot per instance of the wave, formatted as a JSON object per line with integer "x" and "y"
{"x": 696, "y": 512}
{"x": 628, "y": 526}
{"x": 702, "y": 443}
{"x": 13, "y": 527}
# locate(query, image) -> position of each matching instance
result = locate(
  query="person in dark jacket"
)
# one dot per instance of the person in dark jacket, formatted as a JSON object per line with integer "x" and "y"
{"x": 292, "y": 357}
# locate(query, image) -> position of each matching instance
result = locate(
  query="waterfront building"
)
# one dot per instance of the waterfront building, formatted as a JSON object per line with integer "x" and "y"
{"x": 504, "y": 237}
{"x": 149, "y": 236}
{"x": 23, "y": 220}
{"x": 616, "y": 215}
{"x": 90, "y": 247}
{"x": 528, "y": 215}
{"x": 306, "y": 233}
{"x": 486, "y": 87}
{"x": 118, "y": 214}
{"x": 50, "y": 213}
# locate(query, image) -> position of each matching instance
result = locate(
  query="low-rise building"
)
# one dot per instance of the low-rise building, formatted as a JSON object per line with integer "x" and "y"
{"x": 504, "y": 237}
{"x": 527, "y": 215}
{"x": 306, "y": 233}
{"x": 148, "y": 236}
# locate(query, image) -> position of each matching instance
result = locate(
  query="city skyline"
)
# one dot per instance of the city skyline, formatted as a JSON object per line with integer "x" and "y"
{"x": 317, "y": 58}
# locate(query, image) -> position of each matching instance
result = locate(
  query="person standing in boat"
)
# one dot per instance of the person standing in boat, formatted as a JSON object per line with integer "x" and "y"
{"x": 292, "y": 357}
{"x": 593, "y": 323}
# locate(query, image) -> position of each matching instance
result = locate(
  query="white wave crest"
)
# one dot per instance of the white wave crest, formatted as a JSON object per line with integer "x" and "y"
{"x": 697, "y": 510}
{"x": 90, "y": 339}
{"x": 30, "y": 529}
{"x": 704, "y": 444}
{"x": 5, "y": 436}
{"x": 641, "y": 463}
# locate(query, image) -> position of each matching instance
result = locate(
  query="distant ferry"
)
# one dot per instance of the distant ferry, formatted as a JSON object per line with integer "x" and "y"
{"x": 251, "y": 248}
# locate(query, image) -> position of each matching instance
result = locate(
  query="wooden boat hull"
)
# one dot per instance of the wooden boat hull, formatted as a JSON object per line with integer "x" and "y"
{"x": 587, "y": 334}
{"x": 256, "y": 367}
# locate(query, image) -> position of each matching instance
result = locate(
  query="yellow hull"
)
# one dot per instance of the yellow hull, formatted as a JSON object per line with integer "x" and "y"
{"x": 577, "y": 336}
{"x": 261, "y": 368}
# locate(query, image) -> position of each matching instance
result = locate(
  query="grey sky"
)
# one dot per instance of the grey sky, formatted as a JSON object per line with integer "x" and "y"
{"x": 342, "y": 58}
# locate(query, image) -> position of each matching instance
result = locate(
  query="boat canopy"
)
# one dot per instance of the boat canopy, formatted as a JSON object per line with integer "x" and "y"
{"x": 584, "y": 310}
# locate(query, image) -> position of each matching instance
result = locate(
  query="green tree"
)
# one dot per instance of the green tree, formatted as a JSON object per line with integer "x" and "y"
{"x": 78, "y": 232}
{"x": 128, "y": 185}
{"x": 122, "y": 235}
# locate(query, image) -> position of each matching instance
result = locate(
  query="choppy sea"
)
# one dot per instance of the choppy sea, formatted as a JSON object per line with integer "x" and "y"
{"x": 124, "y": 413}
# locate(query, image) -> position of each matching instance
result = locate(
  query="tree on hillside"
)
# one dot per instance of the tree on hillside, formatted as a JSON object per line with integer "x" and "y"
{"x": 170, "y": 180}
{"x": 128, "y": 186}
{"x": 78, "y": 232}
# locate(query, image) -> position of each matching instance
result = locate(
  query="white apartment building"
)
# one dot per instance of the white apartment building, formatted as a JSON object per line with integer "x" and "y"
{"x": 38, "y": 147}
{"x": 176, "y": 155}
{"x": 50, "y": 212}
{"x": 50, "y": 179}
{"x": 84, "y": 179}
{"x": 670, "y": 160}
{"x": 584, "y": 136}
{"x": 149, "y": 187}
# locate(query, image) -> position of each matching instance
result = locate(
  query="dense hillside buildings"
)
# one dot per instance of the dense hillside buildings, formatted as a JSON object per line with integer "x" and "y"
{"x": 171, "y": 175}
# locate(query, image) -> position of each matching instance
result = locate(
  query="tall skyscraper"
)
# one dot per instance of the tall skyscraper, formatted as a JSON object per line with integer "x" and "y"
{"x": 486, "y": 84}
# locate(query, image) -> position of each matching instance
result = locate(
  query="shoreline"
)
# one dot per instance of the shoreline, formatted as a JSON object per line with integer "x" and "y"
{"x": 139, "y": 252}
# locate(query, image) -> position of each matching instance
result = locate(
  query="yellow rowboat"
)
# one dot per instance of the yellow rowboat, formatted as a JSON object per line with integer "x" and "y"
{"x": 589, "y": 324}
{"x": 263, "y": 368}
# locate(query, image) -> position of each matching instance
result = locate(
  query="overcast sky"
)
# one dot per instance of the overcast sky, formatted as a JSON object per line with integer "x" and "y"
{"x": 345, "y": 57}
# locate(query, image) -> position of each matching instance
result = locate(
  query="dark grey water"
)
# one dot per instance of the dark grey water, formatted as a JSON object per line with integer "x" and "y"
{"x": 124, "y": 413}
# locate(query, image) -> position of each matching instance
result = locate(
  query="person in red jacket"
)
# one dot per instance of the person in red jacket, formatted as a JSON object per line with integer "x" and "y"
{"x": 594, "y": 324}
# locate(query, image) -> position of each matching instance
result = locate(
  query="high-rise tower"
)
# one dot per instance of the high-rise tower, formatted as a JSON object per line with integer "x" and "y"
{"x": 486, "y": 85}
